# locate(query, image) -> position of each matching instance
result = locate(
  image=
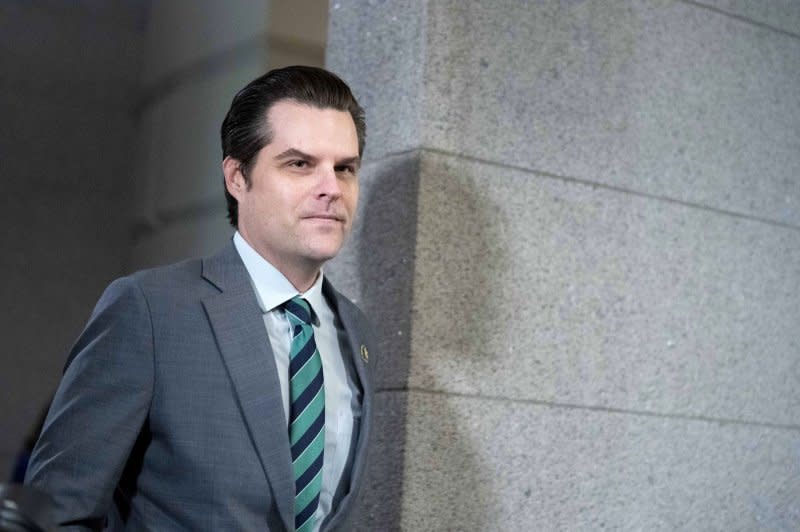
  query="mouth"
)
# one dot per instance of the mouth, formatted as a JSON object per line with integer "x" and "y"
{"x": 325, "y": 217}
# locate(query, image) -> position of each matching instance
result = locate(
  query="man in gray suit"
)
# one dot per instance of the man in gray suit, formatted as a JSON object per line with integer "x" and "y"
{"x": 232, "y": 392}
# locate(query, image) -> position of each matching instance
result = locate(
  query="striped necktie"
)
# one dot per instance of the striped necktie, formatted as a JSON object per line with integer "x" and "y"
{"x": 306, "y": 413}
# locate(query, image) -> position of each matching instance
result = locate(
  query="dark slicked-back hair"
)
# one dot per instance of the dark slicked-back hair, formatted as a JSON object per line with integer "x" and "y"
{"x": 245, "y": 129}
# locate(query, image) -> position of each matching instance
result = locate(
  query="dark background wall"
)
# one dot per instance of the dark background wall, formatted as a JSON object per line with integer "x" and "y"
{"x": 110, "y": 156}
{"x": 68, "y": 96}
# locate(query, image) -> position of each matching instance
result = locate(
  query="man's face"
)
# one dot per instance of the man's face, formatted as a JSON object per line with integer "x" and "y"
{"x": 303, "y": 187}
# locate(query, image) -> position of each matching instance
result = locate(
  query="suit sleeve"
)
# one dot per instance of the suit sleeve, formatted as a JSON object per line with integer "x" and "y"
{"x": 98, "y": 410}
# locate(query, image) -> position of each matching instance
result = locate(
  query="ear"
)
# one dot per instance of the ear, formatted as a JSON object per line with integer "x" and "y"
{"x": 234, "y": 180}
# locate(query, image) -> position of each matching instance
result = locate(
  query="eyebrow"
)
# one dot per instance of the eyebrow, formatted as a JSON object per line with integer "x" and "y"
{"x": 355, "y": 161}
{"x": 294, "y": 152}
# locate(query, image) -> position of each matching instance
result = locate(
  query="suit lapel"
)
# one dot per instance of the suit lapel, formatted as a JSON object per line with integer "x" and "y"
{"x": 243, "y": 342}
{"x": 354, "y": 324}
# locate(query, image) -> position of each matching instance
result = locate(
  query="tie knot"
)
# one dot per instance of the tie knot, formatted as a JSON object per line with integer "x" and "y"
{"x": 298, "y": 311}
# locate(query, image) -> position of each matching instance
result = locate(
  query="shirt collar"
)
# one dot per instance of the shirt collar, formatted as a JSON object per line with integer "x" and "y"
{"x": 271, "y": 286}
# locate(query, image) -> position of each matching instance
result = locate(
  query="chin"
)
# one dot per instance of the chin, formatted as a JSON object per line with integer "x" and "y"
{"x": 324, "y": 248}
{"x": 323, "y": 253}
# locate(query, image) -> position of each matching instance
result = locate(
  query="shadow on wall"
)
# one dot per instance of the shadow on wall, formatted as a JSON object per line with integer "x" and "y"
{"x": 384, "y": 264}
{"x": 461, "y": 253}
{"x": 426, "y": 462}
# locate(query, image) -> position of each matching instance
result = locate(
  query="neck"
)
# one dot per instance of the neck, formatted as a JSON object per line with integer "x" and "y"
{"x": 300, "y": 281}
{"x": 301, "y": 273}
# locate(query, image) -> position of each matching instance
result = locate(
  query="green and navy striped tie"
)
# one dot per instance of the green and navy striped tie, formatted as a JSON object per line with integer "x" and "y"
{"x": 306, "y": 413}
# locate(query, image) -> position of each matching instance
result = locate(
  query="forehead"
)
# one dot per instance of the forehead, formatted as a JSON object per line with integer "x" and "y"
{"x": 292, "y": 122}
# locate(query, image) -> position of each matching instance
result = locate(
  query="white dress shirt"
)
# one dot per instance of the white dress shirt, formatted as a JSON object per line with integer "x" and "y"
{"x": 342, "y": 396}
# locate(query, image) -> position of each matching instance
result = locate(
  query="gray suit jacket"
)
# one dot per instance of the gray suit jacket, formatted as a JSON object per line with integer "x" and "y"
{"x": 169, "y": 415}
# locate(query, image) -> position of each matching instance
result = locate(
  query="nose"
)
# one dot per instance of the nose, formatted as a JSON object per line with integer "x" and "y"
{"x": 329, "y": 185}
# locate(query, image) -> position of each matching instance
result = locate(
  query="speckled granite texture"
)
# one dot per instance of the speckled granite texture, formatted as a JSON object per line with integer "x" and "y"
{"x": 583, "y": 257}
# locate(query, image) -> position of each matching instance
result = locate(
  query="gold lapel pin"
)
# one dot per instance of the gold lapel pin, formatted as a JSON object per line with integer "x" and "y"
{"x": 364, "y": 353}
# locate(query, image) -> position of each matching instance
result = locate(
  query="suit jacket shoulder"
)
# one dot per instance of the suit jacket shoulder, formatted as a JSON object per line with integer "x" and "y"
{"x": 169, "y": 404}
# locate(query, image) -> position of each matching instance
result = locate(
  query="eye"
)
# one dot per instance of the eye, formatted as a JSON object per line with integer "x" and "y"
{"x": 298, "y": 164}
{"x": 350, "y": 169}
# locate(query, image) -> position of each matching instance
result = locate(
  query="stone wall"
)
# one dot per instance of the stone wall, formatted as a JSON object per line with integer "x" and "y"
{"x": 580, "y": 241}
